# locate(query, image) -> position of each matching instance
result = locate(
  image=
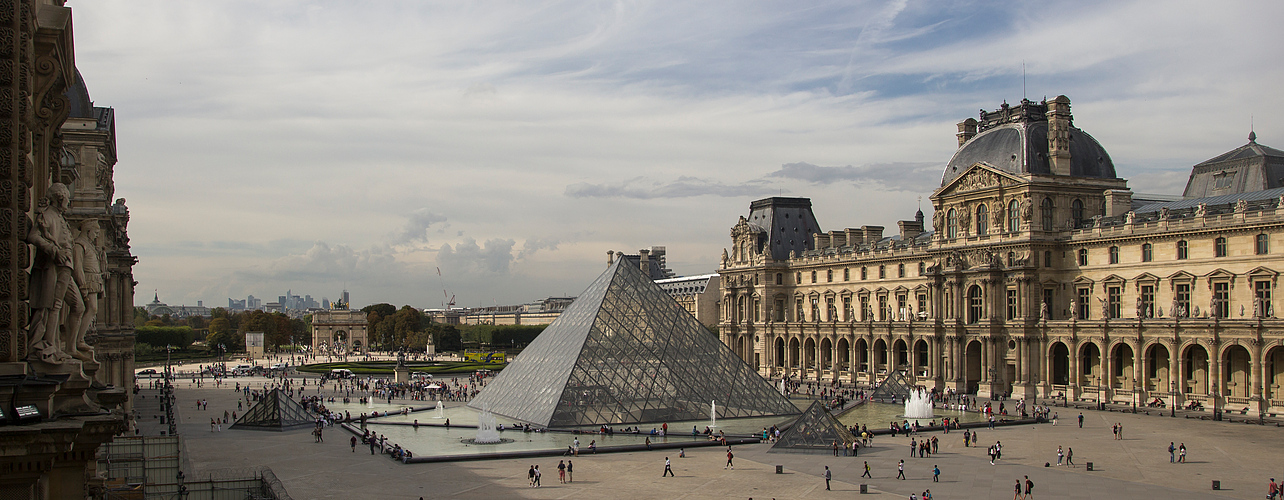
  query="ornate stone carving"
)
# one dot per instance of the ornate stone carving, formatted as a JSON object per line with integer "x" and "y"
{"x": 978, "y": 179}
{"x": 53, "y": 293}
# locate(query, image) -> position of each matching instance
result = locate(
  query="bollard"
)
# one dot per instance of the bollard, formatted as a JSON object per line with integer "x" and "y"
{"x": 864, "y": 488}
{"x": 780, "y": 469}
{"x": 1217, "y": 485}
{"x": 1089, "y": 465}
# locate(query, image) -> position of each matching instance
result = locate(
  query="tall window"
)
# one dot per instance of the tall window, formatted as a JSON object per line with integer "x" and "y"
{"x": 1262, "y": 290}
{"x": 830, "y": 310}
{"x": 1221, "y": 292}
{"x": 1182, "y": 295}
{"x": 1183, "y": 250}
{"x": 974, "y": 304}
{"x": 901, "y": 307}
{"x": 1263, "y": 245}
{"x": 1147, "y": 252}
{"x": 882, "y": 271}
{"x": 780, "y": 310}
{"x": 1047, "y": 258}
{"x": 829, "y": 276}
{"x": 1085, "y": 295}
{"x": 815, "y": 310}
{"x": 798, "y": 309}
{"x": 1014, "y": 216}
{"x": 1012, "y": 304}
{"x": 952, "y": 224}
{"x": 1113, "y": 300}
{"x": 922, "y": 304}
{"x": 864, "y": 273}
{"x": 847, "y": 273}
{"x": 1114, "y": 255}
{"x": 1045, "y": 214}
{"x": 847, "y": 308}
{"x": 798, "y": 277}
{"x": 922, "y": 268}
{"x": 900, "y": 270}
{"x": 982, "y": 220}
{"x": 1083, "y": 256}
{"x": 1148, "y": 301}
{"x": 757, "y": 310}
{"x": 864, "y": 308}
{"x": 1219, "y": 247}
{"x": 780, "y": 278}
{"x": 1076, "y": 212}
{"x": 813, "y": 276}
{"x": 1047, "y": 301}
{"x": 882, "y": 308}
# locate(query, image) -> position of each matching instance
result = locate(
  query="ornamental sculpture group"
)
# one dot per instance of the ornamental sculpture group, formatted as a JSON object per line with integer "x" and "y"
{"x": 66, "y": 281}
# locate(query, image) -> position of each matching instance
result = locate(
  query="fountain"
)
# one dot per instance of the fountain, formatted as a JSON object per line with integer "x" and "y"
{"x": 486, "y": 430}
{"x": 713, "y": 414}
{"x": 441, "y": 410}
{"x": 918, "y": 404}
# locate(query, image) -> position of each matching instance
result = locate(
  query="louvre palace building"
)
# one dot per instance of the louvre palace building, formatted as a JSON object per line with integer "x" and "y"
{"x": 1041, "y": 275}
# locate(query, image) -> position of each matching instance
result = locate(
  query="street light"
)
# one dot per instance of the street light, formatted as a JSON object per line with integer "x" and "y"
{"x": 1134, "y": 395}
{"x": 1172, "y": 399}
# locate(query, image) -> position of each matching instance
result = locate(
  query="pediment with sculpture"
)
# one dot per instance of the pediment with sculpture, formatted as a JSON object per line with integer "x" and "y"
{"x": 980, "y": 176}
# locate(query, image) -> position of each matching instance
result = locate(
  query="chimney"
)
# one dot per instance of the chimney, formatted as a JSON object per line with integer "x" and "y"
{"x": 1059, "y": 122}
{"x": 853, "y": 236}
{"x": 910, "y": 229}
{"x": 967, "y": 130}
{"x": 644, "y": 261}
{"x": 610, "y": 257}
{"x": 872, "y": 234}
{"x": 837, "y": 239}
{"x": 1118, "y": 202}
{"x": 821, "y": 240}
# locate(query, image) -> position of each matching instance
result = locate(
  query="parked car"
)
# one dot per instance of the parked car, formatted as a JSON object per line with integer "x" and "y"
{"x": 149, "y": 371}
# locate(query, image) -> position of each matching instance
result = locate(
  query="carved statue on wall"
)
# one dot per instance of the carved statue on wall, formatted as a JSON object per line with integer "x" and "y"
{"x": 87, "y": 268}
{"x": 1141, "y": 313}
{"x": 1027, "y": 209}
{"x": 53, "y": 295}
{"x": 1163, "y": 213}
{"x": 1043, "y": 310}
{"x": 1074, "y": 310}
{"x": 1257, "y": 307}
{"x": 1105, "y": 308}
{"x": 938, "y": 221}
{"x": 1130, "y": 218}
{"x": 1241, "y": 206}
{"x": 1201, "y": 210}
{"x": 1175, "y": 309}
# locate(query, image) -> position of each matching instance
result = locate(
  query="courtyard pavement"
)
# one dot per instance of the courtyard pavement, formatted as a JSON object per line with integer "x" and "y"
{"x": 1238, "y": 455}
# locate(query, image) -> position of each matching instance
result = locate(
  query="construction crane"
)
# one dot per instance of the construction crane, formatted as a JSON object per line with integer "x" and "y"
{"x": 447, "y": 299}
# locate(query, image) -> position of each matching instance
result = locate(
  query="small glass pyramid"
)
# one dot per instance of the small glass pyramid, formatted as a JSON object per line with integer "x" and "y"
{"x": 816, "y": 430}
{"x": 894, "y": 386}
{"x": 275, "y": 412}
{"x": 625, "y": 352}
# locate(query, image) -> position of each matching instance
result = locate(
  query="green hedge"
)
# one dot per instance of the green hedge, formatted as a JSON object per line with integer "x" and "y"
{"x": 386, "y": 367}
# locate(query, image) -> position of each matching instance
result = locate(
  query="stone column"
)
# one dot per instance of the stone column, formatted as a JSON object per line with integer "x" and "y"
{"x": 1139, "y": 374}
{"x": 1215, "y": 386}
{"x": 1072, "y": 386}
{"x": 1256, "y": 367}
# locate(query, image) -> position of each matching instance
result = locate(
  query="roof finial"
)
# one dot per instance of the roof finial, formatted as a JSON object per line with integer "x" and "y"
{"x": 1252, "y": 135}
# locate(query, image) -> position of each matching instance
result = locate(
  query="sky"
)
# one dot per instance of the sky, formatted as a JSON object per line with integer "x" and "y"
{"x": 407, "y": 151}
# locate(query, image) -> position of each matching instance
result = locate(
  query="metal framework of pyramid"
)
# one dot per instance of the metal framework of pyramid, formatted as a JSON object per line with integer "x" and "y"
{"x": 275, "y": 412}
{"x": 816, "y": 430}
{"x": 895, "y": 386}
{"x": 625, "y": 352}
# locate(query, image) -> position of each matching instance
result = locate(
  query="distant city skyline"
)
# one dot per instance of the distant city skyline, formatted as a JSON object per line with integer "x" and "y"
{"x": 495, "y": 155}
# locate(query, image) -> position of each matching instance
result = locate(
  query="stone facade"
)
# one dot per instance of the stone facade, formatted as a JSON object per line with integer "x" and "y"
{"x": 66, "y": 286}
{"x": 340, "y": 331}
{"x": 1042, "y": 275}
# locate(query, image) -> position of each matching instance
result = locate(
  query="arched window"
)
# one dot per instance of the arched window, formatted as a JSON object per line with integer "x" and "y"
{"x": 1219, "y": 247}
{"x": 1014, "y": 216}
{"x": 1076, "y": 212}
{"x": 951, "y": 224}
{"x": 1114, "y": 255}
{"x": 1147, "y": 252}
{"x": 1045, "y": 213}
{"x": 982, "y": 220}
{"x": 1183, "y": 250}
{"x": 974, "y": 304}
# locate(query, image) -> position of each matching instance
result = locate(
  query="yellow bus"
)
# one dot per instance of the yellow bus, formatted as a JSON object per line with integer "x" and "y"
{"x": 479, "y": 356}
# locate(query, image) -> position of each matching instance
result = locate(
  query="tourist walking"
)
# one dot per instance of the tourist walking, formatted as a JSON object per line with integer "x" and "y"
{"x": 827, "y": 477}
{"x": 1172, "y": 453}
{"x": 729, "y": 457}
{"x": 1272, "y": 490}
{"x": 1080, "y": 420}
{"x": 538, "y": 474}
{"x": 1029, "y": 488}
{"x": 1070, "y": 457}
{"x": 1181, "y": 453}
{"x": 866, "y": 474}
{"x": 1061, "y": 454}
{"x": 561, "y": 471}
{"x": 900, "y": 470}
{"x": 530, "y": 476}
{"x": 668, "y": 469}
{"x": 353, "y": 442}
{"x": 1017, "y": 495}
{"x": 936, "y": 473}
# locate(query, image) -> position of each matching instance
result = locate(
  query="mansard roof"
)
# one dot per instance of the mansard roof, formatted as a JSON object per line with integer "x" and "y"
{"x": 1248, "y": 168}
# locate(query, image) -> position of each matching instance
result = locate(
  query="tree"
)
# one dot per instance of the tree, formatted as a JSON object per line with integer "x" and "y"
{"x": 384, "y": 309}
{"x": 178, "y": 337}
{"x": 219, "y": 326}
{"x": 446, "y": 338}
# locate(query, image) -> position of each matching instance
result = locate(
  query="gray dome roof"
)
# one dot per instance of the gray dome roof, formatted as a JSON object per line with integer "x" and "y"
{"x": 1022, "y": 148}
{"x": 80, "y": 105}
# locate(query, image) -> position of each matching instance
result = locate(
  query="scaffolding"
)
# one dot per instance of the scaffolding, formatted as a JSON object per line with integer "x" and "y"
{"x": 149, "y": 467}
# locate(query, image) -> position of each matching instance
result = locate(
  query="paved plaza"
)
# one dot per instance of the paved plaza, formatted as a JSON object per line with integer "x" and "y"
{"x": 1241, "y": 456}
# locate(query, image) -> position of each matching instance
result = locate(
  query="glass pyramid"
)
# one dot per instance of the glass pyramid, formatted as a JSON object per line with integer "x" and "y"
{"x": 816, "y": 430}
{"x": 275, "y": 412}
{"x": 625, "y": 352}
{"x": 895, "y": 385}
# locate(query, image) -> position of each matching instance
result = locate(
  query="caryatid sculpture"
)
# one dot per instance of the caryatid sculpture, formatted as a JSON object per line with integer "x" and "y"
{"x": 53, "y": 294}
{"x": 87, "y": 268}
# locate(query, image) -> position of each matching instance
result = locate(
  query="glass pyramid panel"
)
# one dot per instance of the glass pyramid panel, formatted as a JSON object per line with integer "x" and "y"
{"x": 275, "y": 412}
{"x": 816, "y": 430}
{"x": 894, "y": 386}
{"x": 625, "y": 352}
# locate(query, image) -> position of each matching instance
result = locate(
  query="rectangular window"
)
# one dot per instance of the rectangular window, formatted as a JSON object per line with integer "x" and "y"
{"x": 798, "y": 311}
{"x": 1012, "y": 304}
{"x": 847, "y": 274}
{"x": 922, "y": 305}
{"x": 882, "y": 272}
{"x": 757, "y": 310}
{"x": 1182, "y": 296}
{"x": 1114, "y": 300}
{"x": 829, "y": 276}
{"x": 864, "y": 308}
{"x": 1083, "y": 256}
{"x": 902, "y": 307}
{"x": 882, "y": 308}
{"x": 813, "y": 276}
{"x": 1047, "y": 301}
{"x": 1148, "y": 301}
{"x": 1047, "y": 259}
{"x": 1262, "y": 291}
{"x": 1085, "y": 295}
{"x": 847, "y": 308}
{"x": 780, "y": 279}
{"x": 922, "y": 268}
{"x": 830, "y": 312}
{"x": 900, "y": 270}
{"x": 864, "y": 273}
{"x": 1263, "y": 246}
{"x": 780, "y": 310}
{"x": 1221, "y": 292}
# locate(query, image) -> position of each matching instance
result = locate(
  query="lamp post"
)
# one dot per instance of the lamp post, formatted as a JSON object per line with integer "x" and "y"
{"x": 1172, "y": 399}
{"x": 1134, "y": 395}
